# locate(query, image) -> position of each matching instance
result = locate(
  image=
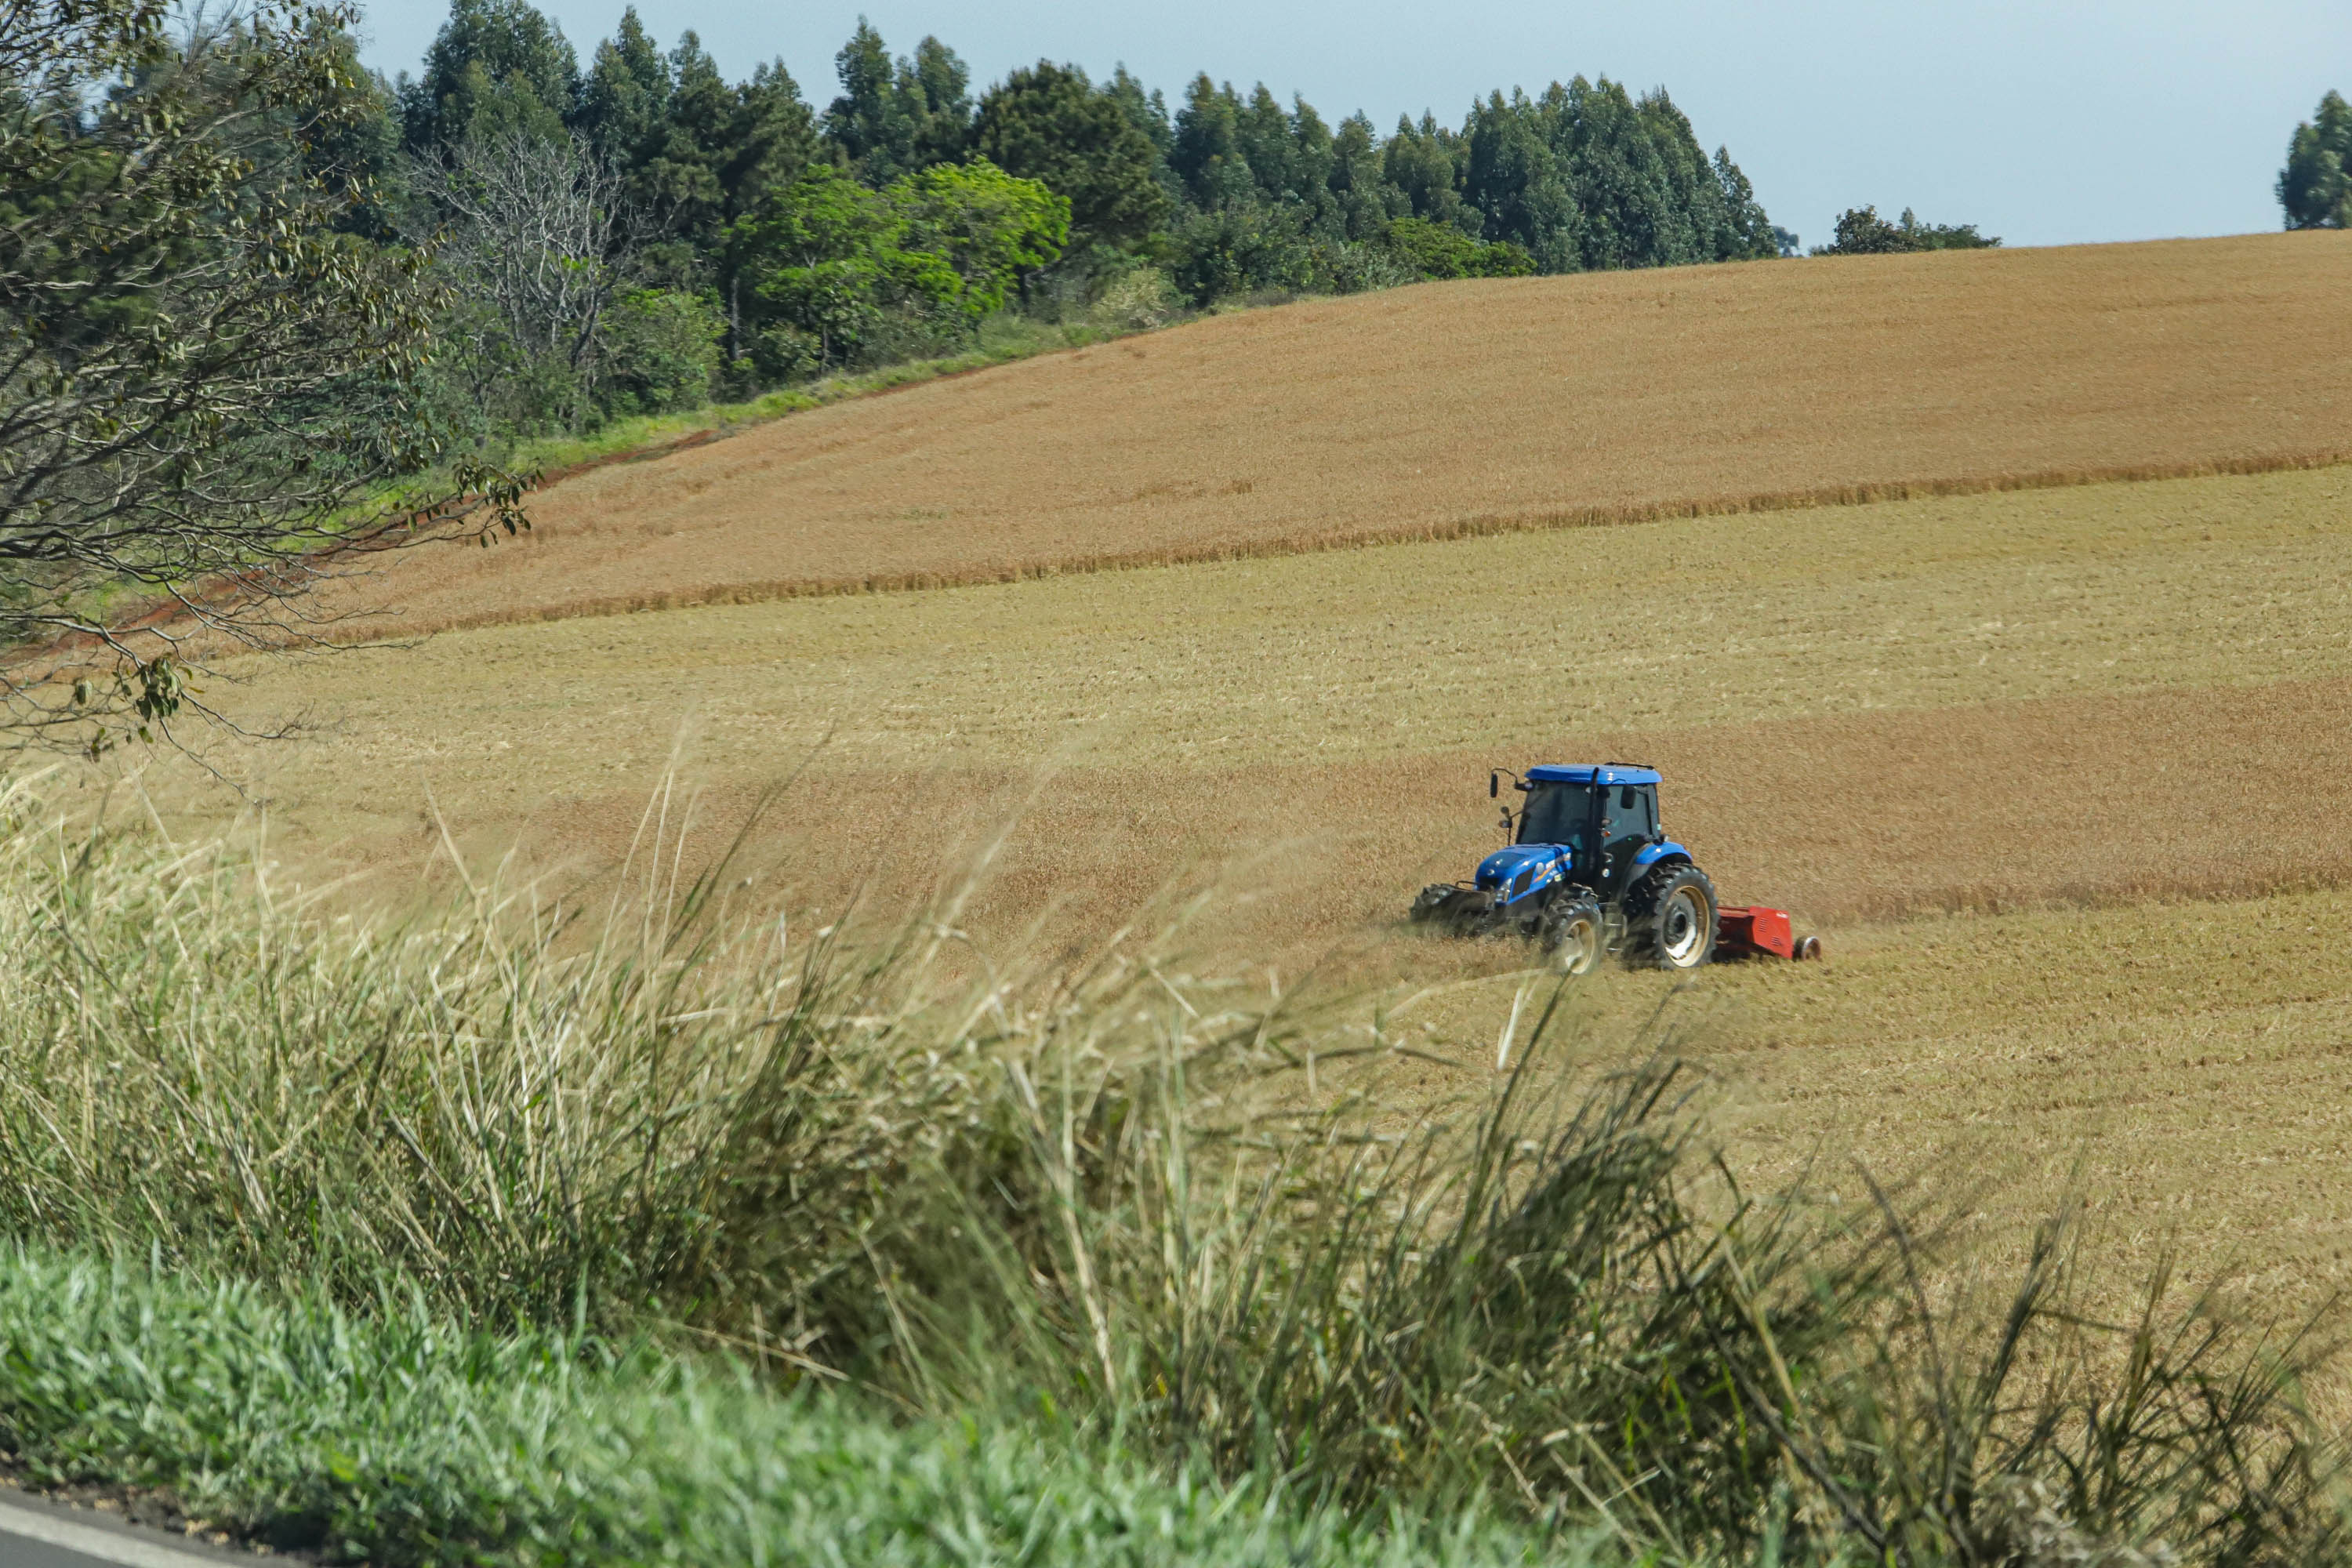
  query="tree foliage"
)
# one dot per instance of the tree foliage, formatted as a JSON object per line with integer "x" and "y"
{"x": 204, "y": 372}
{"x": 1862, "y": 232}
{"x": 1440, "y": 250}
{"x": 496, "y": 67}
{"x": 2315, "y": 189}
{"x": 831, "y": 269}
{"x": 1225, "y": 193}
{"x": 894, "y": 118}
{"x": 1047, "y": 122}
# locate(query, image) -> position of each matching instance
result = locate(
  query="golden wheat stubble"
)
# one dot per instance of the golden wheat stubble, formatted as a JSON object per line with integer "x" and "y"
{"x": 1208, "y": 713}
{"x": 2183, "y": 1069}
{"x": 2089, "y": 801}
{"x": 1465, "y": 406}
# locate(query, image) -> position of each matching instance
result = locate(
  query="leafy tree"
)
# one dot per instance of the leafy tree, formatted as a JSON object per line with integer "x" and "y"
{"x": 1284, "y": 159}
{"x": 1862, "y": 232}
{"x": 496, "y": 66}
{"x": 832, "y": 271}
{"x": 693, "y": 152}
{"x": 663, "y": 347}
{"x": 2315, "y": 189}
{"x": 1426, "y": 164}
{"x": 203, "y": 373}
{"x": 1360, "y": 202}
{"x": 892, "y": 120}
{"x": 624, "y": 100}
{"x": 1514, "y": 182}
{"x": 771, "y": 140}
{"x": 823, "y": 261}
{"x": 992, "y": 227}
{"x": 1048, "y": 122}
{"x": 1746, "y": 232}
{"x": 1588, "y": 176}
{"x": 936, "y": 85}
{"x": 1441, "y": 251}
{"x": 1147, "y": 111}
{"x": 1205, "y": 152}
{"x": 1241, "y": 249}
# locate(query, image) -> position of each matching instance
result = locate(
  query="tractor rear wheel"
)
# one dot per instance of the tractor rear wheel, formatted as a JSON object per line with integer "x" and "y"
{"x": 1572, "y": 936}
{"x": 1670, "y": 915}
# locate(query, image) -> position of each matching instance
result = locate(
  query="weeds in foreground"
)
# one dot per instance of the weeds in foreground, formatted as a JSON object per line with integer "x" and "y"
{"x": 1095, "y": 1193}
{"x": 385, "y": 1435}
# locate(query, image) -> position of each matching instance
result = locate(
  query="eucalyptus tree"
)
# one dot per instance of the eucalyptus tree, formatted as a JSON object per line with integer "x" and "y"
{"x": 205, "y": 379}
{"x": 2315, "y": 189}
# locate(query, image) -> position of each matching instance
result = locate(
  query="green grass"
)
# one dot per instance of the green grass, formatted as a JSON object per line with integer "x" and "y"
{"x": 390, "y": 1437}
{"x": 1100, "y": 1220}
{"x": 1002, "y": 339}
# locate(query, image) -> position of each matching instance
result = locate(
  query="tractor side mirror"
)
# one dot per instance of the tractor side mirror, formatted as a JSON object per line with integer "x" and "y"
{"x": 1494, "y": 785}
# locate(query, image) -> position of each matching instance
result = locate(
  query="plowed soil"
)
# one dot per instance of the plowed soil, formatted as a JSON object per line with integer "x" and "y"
{"x": 1462, "y": 409}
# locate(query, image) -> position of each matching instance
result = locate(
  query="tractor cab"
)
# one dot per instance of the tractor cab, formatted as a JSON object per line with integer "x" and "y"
{"x": 1594, "y": 826}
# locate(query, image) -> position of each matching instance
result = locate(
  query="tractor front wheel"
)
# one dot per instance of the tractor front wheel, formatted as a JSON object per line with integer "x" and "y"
{"x": 1670, "y": 913}
{"x": 1572, "y": 936}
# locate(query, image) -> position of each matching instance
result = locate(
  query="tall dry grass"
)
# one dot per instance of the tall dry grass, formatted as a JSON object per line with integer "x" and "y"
{"x": 1100, "y": 1192}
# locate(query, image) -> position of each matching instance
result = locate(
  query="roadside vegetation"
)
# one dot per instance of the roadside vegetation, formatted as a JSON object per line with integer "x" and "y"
{"x": 997, "y": 339}
{"x": 557, "y": 1227}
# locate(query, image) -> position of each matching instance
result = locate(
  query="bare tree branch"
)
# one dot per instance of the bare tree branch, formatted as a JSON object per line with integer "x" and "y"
{"x": 205, "y": 388}
{"x": 537, "y": 231}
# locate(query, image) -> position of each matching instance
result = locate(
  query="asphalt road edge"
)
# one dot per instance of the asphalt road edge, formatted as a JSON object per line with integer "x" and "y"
{"x": 27, "y": 1519}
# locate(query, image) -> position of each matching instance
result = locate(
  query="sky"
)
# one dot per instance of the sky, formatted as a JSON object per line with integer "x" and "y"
{"x": 2056, "y": 122}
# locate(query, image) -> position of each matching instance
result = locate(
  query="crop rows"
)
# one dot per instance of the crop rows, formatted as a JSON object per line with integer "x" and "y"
{"x": 1463, "y": 409}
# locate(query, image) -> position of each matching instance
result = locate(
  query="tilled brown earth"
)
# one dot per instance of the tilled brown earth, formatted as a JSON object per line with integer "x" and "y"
{"x": 2226, "y": 791}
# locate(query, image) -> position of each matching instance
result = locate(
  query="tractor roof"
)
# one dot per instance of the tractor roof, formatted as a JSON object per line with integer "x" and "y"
{"x": 1592, "y": 773}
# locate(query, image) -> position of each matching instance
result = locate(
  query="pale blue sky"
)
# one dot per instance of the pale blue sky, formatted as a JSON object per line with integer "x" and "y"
{"x": 2046, "y": 123}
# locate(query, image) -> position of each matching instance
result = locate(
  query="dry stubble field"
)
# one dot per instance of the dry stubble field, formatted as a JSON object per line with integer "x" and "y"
{"x": 1468, "y": 407}
{"x": 2065, "y": 774}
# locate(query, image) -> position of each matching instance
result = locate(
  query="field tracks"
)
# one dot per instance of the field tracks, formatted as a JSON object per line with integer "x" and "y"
{"x": 1477, "y": 526}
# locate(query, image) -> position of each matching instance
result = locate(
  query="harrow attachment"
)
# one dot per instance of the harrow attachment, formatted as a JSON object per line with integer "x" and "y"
{"x": 1755, "y": 932}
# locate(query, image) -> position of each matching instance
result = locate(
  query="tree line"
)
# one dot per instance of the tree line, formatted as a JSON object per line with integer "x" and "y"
{"x": 634, "y": 232}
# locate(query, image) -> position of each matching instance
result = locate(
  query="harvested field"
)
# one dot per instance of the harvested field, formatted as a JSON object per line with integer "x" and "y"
{"x": 2099, "y": 693}
{"x": 2186, "y": 1069}
{"x": 1464, "y": 408}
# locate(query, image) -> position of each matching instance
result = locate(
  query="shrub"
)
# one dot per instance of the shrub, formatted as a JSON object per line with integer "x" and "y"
{"x": 1351, "y": 266}
{"x": 660, "y": 350}
{"x": 1441, "y": 251}
{"x": 1238, "y": 251}
{"x": 1862, "y": 232}
{"x": 1134, "y": 301}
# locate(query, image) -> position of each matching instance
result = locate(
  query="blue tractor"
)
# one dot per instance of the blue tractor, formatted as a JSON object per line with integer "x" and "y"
{"x": 1587, "y": 871}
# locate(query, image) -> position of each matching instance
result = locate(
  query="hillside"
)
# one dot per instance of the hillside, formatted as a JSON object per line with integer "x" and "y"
{"x": 1468, "y": 407}
{"x": 2064, "y": 772}
{"x": 2111, "y": 708}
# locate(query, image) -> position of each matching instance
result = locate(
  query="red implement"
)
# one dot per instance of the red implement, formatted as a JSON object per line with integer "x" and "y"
{"x": 1756, "y": 932}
